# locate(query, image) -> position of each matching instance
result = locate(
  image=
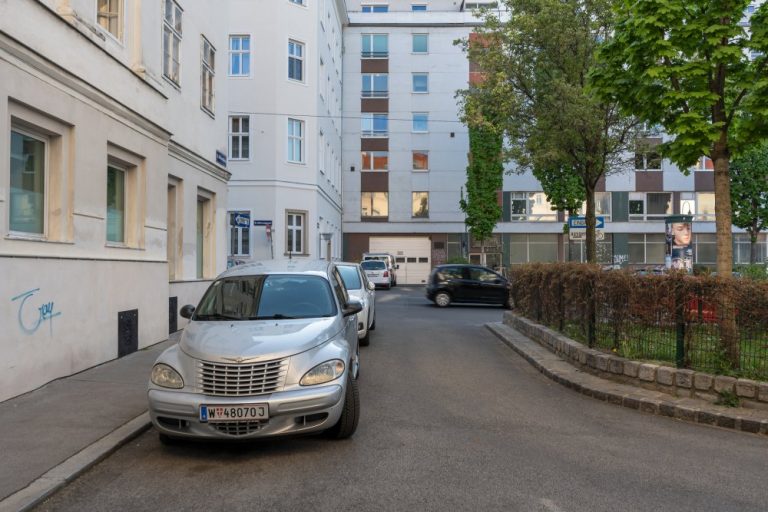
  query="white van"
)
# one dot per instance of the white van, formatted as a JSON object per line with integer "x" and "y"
{"x": 389, "y": 260}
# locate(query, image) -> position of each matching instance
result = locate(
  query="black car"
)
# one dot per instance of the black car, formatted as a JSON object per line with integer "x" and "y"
{"x": 469, "y": 284}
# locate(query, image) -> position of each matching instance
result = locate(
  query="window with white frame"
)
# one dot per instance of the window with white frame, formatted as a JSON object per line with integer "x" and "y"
{"x": 295, "y": 60}
{"x": 420, "y": 205}
{"x": 109, "y": 16}
{"x": 602, "y": 205}
{"x": 650, "y": 206}
{"x": 295, "y": 223}
{"x": 705, "y": 206}
{"x": 172, "y": 41}
{"x": 239, "y": 55}
{"x": 374, "y": 204}
{"x": 420, "y": 122}
{"x": 647, "y": 248}
{"x": 28, "y": 183}
{"x": 239, "y": 138}
{"x": 420, "y": 160}
{"x": 374, "y": 8}
{"x": 375, "y": 46}
{"x": 207, "y": 75}
{"x": 374, "y": 160}
{"x": 239, "y": 233}
{"x": 420, "y": 82}
{"x": 115, "y": 204}
{"x": 647, "y": 157}
{"x": 295, "y": 141}
{"x": 375, "y": 85}
{"x": 530, "y": 206}
{"x": 687, "y": 203}
{"x": 420, "y": 43}
{"x": 374, "y": 125}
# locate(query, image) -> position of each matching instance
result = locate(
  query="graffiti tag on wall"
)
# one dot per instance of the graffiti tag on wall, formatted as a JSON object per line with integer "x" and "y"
{"x": 31, "y": 322}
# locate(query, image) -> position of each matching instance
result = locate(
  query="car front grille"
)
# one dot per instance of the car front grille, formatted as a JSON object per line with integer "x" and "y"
{"x": 238, "y": 428}
{"x": 224, "y": 379}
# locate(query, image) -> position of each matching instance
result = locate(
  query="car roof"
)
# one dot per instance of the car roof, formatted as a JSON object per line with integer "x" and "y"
{"x": 281, "y": 266}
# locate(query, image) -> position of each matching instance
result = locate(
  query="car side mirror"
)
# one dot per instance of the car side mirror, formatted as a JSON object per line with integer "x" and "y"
{"x": 371, "y": 286}
{"x": 352, "y": 307}
{"x": 187, "y": 311}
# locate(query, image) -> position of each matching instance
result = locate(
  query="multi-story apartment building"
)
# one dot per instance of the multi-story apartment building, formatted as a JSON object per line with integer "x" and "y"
{"x": 405, "y": 161}
{"x": 112, "y": 203}
{"x": 284, "y": 88}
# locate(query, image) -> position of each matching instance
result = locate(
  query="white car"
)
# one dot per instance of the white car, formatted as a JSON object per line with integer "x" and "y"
{"x": 362, "y": 290}
{"x": 377, "y": 272}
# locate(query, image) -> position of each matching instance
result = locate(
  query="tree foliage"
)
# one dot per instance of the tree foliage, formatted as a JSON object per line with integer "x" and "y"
{"x": 484, "y": 180}
{"x": 534, "y": 64}
{"x": 686, "y": 66}
{"x": 749, "y": 193}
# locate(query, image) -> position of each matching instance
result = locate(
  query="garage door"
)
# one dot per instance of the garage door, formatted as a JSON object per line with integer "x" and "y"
{"x": 411, "y": 253}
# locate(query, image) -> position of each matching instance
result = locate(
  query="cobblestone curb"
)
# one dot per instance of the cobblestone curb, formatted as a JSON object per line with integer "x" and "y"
{"x": 694, "y": 410}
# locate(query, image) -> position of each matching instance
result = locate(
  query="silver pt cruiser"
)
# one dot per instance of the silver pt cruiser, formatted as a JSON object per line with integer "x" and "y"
{"x": 272, "y": 349}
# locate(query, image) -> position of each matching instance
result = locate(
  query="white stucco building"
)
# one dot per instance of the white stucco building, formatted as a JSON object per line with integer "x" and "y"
{"x": 284, "y": 89}
{"x": 112, "y": 205}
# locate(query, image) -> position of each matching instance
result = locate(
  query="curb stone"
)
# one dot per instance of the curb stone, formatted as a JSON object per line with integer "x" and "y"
{"x": 653, "y": 402}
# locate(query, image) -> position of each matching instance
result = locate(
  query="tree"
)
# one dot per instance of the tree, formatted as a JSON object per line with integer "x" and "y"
{"x": 534, "y": 91}
{"x": 749, "y": 193}
{"x": 686, "y": 66}
{"x": 484, "y": 180}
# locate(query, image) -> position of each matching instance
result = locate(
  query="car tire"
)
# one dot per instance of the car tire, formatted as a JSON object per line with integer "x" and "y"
{"x": 350, "y": 415}
{"x": 373, "y": 325}
{"x": 507, "y": 303}
{"x": 442, "y": 299}
{"x": 366, "y": 340}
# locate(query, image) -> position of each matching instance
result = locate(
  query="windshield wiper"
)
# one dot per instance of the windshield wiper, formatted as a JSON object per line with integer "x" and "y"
{"x": 217, "y": 316}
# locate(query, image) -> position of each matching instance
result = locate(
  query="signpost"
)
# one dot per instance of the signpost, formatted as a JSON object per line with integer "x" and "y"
{"x": 577, "y": 228}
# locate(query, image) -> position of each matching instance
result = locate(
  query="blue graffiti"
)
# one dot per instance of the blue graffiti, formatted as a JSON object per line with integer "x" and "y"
{"x": 45, "y": 312}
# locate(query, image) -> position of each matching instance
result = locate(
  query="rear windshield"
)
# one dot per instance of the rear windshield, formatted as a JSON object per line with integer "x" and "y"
{"x": 266, "y": 297}
{"x": 373, "y": 265}
{"x": 350, "y": 276}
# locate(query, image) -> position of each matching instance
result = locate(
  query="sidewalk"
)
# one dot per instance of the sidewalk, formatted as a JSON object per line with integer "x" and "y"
{"x": 54, "y": 433}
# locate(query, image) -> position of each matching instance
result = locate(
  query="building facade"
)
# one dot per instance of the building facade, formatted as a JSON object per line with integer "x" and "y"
{"x": 112, "y": 205}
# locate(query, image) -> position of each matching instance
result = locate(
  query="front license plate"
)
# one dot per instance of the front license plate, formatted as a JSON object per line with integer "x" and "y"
{"x": 218, "y": 413}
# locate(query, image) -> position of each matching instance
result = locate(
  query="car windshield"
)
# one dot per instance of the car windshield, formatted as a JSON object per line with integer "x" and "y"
{"x": 266, "y": 297}
{"x": 350, "y": 276}
{"x": 373, "y": 265}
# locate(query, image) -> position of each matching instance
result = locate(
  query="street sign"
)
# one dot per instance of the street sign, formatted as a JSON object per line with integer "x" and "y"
{"x": 581, "y": 234}
{"x": 241, "y": 220}
{"x": 581, "y": 222}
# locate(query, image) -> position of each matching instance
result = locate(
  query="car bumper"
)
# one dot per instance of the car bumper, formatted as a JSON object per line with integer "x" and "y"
{"x": 290, "y": 412}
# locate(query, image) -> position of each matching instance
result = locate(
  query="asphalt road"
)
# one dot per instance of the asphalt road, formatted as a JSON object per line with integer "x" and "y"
{"x": 451, "y": 420}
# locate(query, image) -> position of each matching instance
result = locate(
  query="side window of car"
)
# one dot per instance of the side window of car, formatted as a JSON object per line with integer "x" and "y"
{"x": 479, "y": 274}
{"x": 341, "y": 292}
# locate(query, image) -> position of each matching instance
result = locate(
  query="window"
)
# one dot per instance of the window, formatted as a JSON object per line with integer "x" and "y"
{"x": 420, "y": 160}
{"x": 239, "y": 233}
{"x": 28, "y": 177}
{"x": 294, "y": 232}
{"x": 109, "y": 14}
{"x": 530, "y": 206}
{"x": 295, "y": 141}
{"x": 172, "y": 41}
{"x": 418, "y": 7}
{"x": 173, "y": 233}
{"x": 239, "y": 138}
{"x": 375, "y": 8}
{"x": 115, "y": 205}
{"x": 687, "y": 203}
{"x": 704, "y": 164}
{"x": 647, "y": 248}
{"x": 420, "y": 82}
{"x": 532, "y": 248}
{"x": 375, "y": 160}
{"x": 420, "y": 122}
{"x": 636, "y": 206}
{"x": 207, "y": 74}
{"x": 375, "y": 85}
{"x": 420, "y": 43}
{"x": 647, "y": 158}
{"x": 375, "y": 125}
{"x": 375, "y": 46}
{"x": 420, "y": 205}
{"x": 602, "y": 205}
{"x": 706, "y": 206}
{"x": 295, "y": 61}
{"x": 659, "y": 205}
{"x": 374, "y": 204}
{"x": 239, "y": 55}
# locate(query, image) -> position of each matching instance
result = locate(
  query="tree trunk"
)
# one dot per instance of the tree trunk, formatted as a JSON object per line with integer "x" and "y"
{"x": 728, "y": 332}
{"x": 752, "y": 248}
{"x": 590, "y": 221}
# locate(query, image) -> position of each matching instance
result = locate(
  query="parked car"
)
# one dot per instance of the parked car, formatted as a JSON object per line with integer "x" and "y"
{"x": 467, "y": 284}
{"x": 387, "y": 258}
{"x": 363, "y": 291}
{"x": 377, "y": 272}
{"x": 271, "y": 350}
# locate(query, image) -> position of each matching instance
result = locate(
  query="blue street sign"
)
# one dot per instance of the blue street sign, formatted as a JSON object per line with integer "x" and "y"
{"x": 581, "y": 222}
{"x": 221, "y": 158}
{"x": 262, "y": 222}
{"x": 241, "y": 220}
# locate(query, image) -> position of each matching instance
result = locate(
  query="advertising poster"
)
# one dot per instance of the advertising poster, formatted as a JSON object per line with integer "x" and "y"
{"x": 679, "y": 242}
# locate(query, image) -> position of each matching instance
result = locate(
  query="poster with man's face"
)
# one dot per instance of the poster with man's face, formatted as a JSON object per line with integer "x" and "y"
{"x": 679, "y": 246}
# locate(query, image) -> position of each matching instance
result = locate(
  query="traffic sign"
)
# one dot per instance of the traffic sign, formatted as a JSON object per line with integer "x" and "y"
{"x": 581, "y": 234}
{"x": 581, "y": 222}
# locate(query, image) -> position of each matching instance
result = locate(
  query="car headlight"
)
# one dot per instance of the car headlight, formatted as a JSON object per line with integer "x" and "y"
{"x": 166, "y": 377}
{"x": 322, "y": 373}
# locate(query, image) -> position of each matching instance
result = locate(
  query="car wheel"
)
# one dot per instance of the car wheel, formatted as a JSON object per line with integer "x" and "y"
{"x": 366, "y": 340}
{"x": 508, "y": 303}
{"x": 373, "y": 325}
{"x": 350, "y": 415}
{"x": 442, "y": 299}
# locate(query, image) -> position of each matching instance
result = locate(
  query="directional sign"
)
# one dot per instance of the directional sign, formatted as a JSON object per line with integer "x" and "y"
{"x": 581, "y": 222}
{"x": 241, "y": 220}
{"x": 581, "y": 234}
